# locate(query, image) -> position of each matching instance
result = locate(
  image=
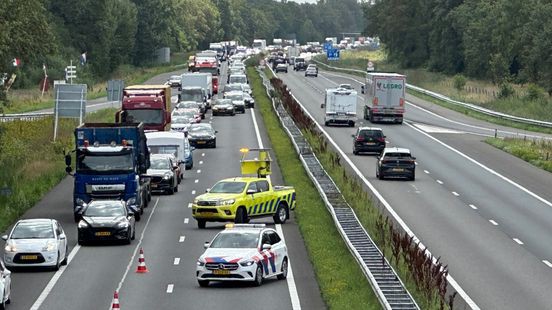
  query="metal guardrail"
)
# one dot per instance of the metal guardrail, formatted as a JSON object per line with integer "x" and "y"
{"x": 31, "y": 116}
{"x": 470, "y": 106}
{"x": 388, "y": 287}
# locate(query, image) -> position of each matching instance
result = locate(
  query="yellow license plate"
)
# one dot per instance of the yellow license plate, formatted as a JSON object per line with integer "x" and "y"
{"x": 29, "y": 257}
{"x": 103, "y": 233}
{"x": 221, "y": 272}
{"x": 201, "y": 142}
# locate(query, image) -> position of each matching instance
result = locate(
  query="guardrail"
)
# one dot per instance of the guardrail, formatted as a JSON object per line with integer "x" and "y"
{"x": 470, "y": 106}
{"x": 386, "y": 284}
{"x": 24, "y": 116}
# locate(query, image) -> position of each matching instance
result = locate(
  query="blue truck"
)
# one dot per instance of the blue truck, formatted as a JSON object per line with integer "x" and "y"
{"x": 111, "y": 163}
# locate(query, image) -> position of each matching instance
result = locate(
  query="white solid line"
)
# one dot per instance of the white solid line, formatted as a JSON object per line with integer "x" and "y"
{"x": 193, "y": 192}
{"x": 199, "y": 171}
{"x": 50, "y": 286}
{"x": 518, "y": 241}
{"x": 176, "y": 261}
{"x": 440, "y": 182}
{"x": 201, "y": 162}
{"x": 189, "y": 205}
{"x": 186, "y": 220}
{"x": 427, "y": 172}
{"x": 196, "y": 181}
{"x": 493, "y": 222}
{"x": 170, "y": 288}
{"x": 455, "y": 194}
{"x": 295, "y": 303}
{"x": 181, "y": 239}
{"x": 473, "y": 207}
{"x": 547, "y": 263}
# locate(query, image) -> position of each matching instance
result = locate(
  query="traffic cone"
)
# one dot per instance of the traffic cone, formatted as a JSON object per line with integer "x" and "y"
{"x": 115, "y": 304}
{"x": 141, "y": 263}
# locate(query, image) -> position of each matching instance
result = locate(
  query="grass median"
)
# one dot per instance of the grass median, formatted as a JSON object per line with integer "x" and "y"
{"x": 341, "y": 281}
{"x": 536, "y": 152}
{"x": 32, "y": 164}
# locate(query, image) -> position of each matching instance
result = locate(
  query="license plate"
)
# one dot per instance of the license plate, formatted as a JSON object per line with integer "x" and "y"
{"x": 201, "y": 142}
{"x": 369, "y": 143}
{"x": 154, "y": 186}
{"x": 398, "y": 169}
{"x": 221, "y": 272}
{"x": 103, "y": 233}
{"x": 29, "y": 257}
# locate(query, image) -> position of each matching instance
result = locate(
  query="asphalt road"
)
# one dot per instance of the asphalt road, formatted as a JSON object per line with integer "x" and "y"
{"x": 171, "y": 242}
{"x": 487, "y": 214}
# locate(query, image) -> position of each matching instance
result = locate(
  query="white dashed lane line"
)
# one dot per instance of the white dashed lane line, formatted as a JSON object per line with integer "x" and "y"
{"x": 473, "y": 207}
{"x": 202, "y": 154}
{"x": 455, "y": 194}
{"x": 201, "y": 162}
{"x": 426, "y": 172}
{"x": 199, "y": 171}
{"x": 493, "y": 222}
{"x": 181, "y": 239}
{"x": 193, "y": 192}
{"x": 440, "y": 182}
{"x": 547, "y": 263}
{"x": 196, "y": 181}
{"x": 170, "y": 288}
{"x": 186, "y": 220}
{"x": 176, "y": 261}
{"x": 189, "y": 205}
{"x": 518, "y": 241}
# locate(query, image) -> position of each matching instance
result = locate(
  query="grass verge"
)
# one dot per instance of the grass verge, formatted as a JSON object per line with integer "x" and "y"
{"x": 31, "y": 163}
{"x": 537, "y": 153}
{"x": 342, "y": 283}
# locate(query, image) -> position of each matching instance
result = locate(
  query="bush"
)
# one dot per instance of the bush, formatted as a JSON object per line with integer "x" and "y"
{"x": 459, "y": 82}
{"x": 534, "y": 92}
{"x": 506, "y": 90}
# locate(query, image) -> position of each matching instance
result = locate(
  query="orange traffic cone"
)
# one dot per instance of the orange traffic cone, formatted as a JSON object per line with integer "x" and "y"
{"x": 115, "y": 303}
{"x": 141, "y": 263}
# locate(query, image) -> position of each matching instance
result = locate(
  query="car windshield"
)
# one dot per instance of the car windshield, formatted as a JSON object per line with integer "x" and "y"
{"x": 159, "y": 164}
{"x": 164, "y": 149}
{"x": 89, "y": 162}
{"x": 187, "y": 105}
{"x": 371, "y": 134}
{"x": 146, "y": 116}
{"x": 240, "y": 240}
{"x": 104, "y": 209}
{"x": 232, "y": 87}
{"x": 234, "y": 96}
{"x": 175, "y": 77}
{"x": 226, "y": 187}
{"x": 180, "y": 119}
{"x": 238, "y": 79}
{"x": 299, "y": 59}
{"x": 223, "y": 101}
{"x": 200, "y": 127}
{"x": 33, "y": 230}
{"x": 192, "y": 96}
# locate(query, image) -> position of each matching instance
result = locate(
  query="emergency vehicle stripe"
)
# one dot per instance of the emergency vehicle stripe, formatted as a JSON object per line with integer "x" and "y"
{"x": 277, "y": 203}
{"x": 261, "y": 207}
{"x": 249, "y": 212}
{"x": 271, "y": 205}
{"x": 266, "y": 209}
{"x": 254, "y": 209}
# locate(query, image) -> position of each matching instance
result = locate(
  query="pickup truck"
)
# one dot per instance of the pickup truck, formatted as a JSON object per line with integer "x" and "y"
{"x": 242, "y": 198}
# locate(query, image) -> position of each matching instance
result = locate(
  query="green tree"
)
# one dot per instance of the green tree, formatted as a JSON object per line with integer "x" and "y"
{"x": 155, "y": 18}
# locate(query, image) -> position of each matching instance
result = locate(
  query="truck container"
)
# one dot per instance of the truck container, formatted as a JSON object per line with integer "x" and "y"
{"x": 259, "y": 44}
{"x": 341, "y": 106}
{"x": 147, "y": 104}
{"x": 111, "y": 162}
{"x": 203, "y": 80}
{"x": 384, "y": 97}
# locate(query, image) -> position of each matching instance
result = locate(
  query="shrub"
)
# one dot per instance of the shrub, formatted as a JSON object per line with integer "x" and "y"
{"x": 506, "y": 90}
{"x": 459, "y": 82}
{"x": 534, "y": 92}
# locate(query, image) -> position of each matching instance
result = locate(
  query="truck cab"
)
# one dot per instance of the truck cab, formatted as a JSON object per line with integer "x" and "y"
{"x": 147, "y": 104}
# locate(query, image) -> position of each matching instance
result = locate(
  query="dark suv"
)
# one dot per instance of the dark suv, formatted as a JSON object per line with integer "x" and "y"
{"x": 368, "y": 139}
{"x": 299, "y": 64}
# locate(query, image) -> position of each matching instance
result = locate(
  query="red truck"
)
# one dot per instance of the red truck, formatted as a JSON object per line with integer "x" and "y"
{"x": 148, "y": 104}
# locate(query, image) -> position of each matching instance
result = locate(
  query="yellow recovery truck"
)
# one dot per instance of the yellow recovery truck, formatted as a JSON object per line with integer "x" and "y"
{"x": 241, "y": 198}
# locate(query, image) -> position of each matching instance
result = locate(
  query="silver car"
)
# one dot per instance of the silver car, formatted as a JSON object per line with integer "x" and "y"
{"x": 5, "y": 285}
{"x": 36, "y": 243}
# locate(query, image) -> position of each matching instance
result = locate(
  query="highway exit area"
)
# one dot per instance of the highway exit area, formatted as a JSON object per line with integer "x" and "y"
{"x": 487, "y": 214}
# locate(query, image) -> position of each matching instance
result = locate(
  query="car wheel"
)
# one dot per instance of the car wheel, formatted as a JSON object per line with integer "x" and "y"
{"x": 258, "y": 281}
{"x": 137, "y": 216}
{"x": 64, "y": 261}
{"x": 76, "y": 217}
{"x": 327, "y": 123}
{"x": 129, "y": 237}
{"x": 283, "y": 275}
{"x": 58, "y": 262}
{"x": 170, "y": 191}
{"x": 233, "y": 114}
{"x": 355, "y": 152}
{"x": 176, "y": 188}
{"x": 201, "y": 224}
{"x": 281, "y": 214}
{"x": 4, "y": 302}
{"x": 241, "y": 216}
{"x": 133, "y": 233}
{"x": 203, "y": 283}
{"x": 380, "y": 176}
{"x": 413, "y": 176}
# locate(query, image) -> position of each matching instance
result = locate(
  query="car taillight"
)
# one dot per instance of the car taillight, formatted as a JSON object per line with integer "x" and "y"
{"x": 381, "y": 140}
{"x": 360, "y": 139}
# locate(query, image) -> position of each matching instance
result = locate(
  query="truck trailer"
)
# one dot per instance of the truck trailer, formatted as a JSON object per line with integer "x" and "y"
{"x": 385, "y": 99}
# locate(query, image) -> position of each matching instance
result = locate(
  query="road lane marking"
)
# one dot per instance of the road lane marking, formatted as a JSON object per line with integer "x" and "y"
{"x": 202, "y": 154}
{"x": 176, "y": 261}
{"x": 426, "y": 172}
{"x": 181, "y": 239}
{"x": 189, "y": 205}
{"x": 186, "y": 220}
{"x": 201, "y": 162}
{"x": 547, "y": 263}
{"x": 196, "y": 181}
{"x": 473, "y": 207}
{"x": 193, "y": 192}
{"x": 493, "y": 222}
{"x": 435, "y": 129}
{"x": 518, "y": 241}
{"x": 170, "y": 288}
{"x": 440, "y": 182}
{"x": 50, "y": 286}
{"x": 455, "y": 194}
{"x": 199, "y": 171}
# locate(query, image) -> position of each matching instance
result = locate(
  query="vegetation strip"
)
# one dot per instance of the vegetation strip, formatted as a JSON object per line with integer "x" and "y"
{"x": 537, "y": 153}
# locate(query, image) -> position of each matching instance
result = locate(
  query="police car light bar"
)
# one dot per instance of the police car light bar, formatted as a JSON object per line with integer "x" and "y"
{"x": 231, "y": 225}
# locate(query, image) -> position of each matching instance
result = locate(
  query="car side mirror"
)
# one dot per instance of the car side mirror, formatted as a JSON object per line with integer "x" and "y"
{"x": 207, "y": 190}
{"x": 192, "y": 149}
{"x": 378, "y": 157}
{"x": 6, "y": 272}
{"x": 322, "y": 106}
{"x": 353, "y": 135}
{"x": 216, "y": 131}
{"x": 266, "y": 246}
{"x": 68, "y": 159}
{"x": 206, "y": 244}
{"x": 250, "y": 192}
{"x": 130, "y": 213}
{"x": 5, "y": 237}
{"x": 62, "y": 237}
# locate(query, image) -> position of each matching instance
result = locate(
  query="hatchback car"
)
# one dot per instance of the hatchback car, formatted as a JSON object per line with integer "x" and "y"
{"x": 106, "y": 220}
{"x": 311, "y": 72}
{"x": 5, "y": 285}
{"x": 175, "y": 80}
{"x": 396, "y": 163}
{"x": 243, "y": 252}
{"x": 36, "y": 243}
{"x": 164, "y": 173}
{"x": 202, "y": 135}
{"x": 281, "y": 68}
{"x": 223, "y": 107}
{"x": 368, "y": 139}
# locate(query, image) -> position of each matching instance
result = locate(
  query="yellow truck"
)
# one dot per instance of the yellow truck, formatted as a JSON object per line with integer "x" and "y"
{"x": 239, "y": 199}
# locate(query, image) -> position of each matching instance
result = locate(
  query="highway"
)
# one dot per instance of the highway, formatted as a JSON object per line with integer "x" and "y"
{"x": 171, "y": 242}
{"x": 486, "y": 213}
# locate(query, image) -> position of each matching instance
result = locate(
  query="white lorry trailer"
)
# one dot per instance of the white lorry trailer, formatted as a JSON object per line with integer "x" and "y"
{"x": 341, "y": 106}
{"x": 203, "y": 80}
{"x": 385, "y": 99}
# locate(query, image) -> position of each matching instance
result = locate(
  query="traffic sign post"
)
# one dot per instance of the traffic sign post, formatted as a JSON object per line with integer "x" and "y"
{"x": 370, "y": 66}
{"x": 332, "y": 54}
{"x": 71, "y": 72}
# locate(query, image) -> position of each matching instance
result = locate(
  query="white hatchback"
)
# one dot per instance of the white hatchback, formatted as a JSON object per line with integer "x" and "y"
{"x": 243, "y": 252}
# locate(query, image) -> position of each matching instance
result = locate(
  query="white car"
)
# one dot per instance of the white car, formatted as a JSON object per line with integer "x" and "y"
{"x": 243, "y": 252}
{"x": 5, "y": 285}
{"x": 36, "y": 243}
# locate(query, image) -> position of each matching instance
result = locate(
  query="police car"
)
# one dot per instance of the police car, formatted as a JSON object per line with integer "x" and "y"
{"x": 243, "y": 252}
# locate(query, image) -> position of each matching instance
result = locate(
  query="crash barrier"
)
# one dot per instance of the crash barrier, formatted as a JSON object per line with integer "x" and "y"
{"x": 469, "y": 106}
{"x": 24, "y": 116}
{"x": 388, "y": 287}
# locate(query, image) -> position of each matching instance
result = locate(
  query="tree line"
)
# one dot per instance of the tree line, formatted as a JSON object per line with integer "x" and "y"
{"x": 117, "y": 32}
{"x": 500, "y": 40}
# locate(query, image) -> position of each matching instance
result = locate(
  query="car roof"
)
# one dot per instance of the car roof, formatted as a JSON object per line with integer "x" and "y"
{"x": 253, "y": 228}
{"x": 106, "y": 200}
{"x": 164, "y": 134}
{"x": 37, "y": 220}
{"x": 242, "y": 179}
{"x": 168, "y": 156}
{"x": 234, "y": 92}
{"x": 369, "y": 128}
{"x": 396, "y": 150}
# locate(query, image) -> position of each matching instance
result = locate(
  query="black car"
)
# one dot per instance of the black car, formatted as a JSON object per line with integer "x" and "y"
{"x": 396, "y": 163}
{"x": 202, "y": 135}
{"x": 103, "y": 220}
{"x": 368, "y": 139}
{"x": 299, "y": 64}
{"x": 164, "y": 172}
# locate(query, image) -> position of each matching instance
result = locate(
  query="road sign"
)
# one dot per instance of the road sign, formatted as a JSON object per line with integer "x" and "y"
{"x": 70, "y": 101}
{"x": 333, "y": 54}
{"x": 370, "y": 66}
{"x": 115, "y": 90}
{"x": 71, "y": 72}
{"x": 328, "y": 46}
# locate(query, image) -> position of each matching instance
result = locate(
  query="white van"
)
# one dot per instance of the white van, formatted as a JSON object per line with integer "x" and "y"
{"x": 171, "y": 142}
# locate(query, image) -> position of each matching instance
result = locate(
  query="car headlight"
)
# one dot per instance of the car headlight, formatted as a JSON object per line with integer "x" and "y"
{"x": 10, "y": 247}
{"x": 247, "y": 263}
{"x": 131, "y": 201}
{"x": 50, "y": 246}
{"x": 122, "y": 224}
{"x": 227, "y": 202}
{"x": 167, "y": 176}
{"x": 200, "y": 262}
{"x": 83, "y": 224}
{"x": 79, "y": 202}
